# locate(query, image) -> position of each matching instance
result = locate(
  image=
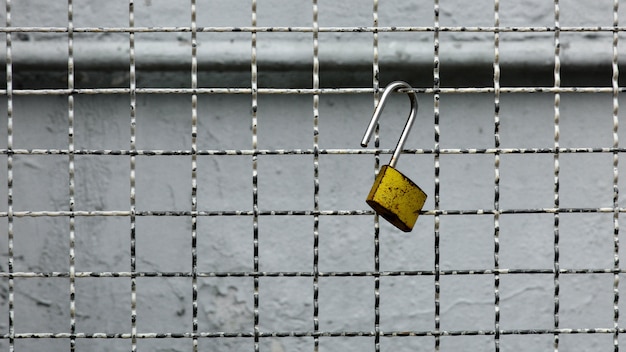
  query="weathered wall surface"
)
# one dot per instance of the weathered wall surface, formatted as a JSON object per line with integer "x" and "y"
{"x": 286, "y": 182}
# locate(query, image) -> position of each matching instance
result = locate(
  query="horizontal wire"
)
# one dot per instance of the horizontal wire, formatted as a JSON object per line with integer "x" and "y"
{"x": 330, "y": 151}
{"x": 223, "y": 274}
{"x": 123, "y": 213}
{"x": 246, "y": 334}
{"x": 305, "y": 29}
{"x": 304, "y": 91}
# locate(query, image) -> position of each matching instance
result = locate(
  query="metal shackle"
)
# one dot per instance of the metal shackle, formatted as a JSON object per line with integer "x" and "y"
{"x": 393, "y": 86}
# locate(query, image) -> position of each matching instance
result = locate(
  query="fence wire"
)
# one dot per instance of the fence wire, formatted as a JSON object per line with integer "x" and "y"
{"x": 315, "y": 336}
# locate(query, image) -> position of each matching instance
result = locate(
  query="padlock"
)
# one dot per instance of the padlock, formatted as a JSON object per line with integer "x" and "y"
{"x": 394, "y": 196}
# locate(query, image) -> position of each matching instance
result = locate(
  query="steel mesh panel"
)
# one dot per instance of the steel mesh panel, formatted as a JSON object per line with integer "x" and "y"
{"x": 314, "y": 284}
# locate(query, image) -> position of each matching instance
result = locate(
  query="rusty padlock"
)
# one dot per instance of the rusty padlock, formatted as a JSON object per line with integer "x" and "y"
{"x": 394, "y": 196}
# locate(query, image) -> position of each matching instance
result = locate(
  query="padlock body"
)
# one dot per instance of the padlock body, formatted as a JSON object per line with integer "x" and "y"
{"x": 396, "y": 198}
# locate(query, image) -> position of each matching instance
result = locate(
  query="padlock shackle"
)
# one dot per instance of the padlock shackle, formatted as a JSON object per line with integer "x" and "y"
{"x": 393, "y": 86}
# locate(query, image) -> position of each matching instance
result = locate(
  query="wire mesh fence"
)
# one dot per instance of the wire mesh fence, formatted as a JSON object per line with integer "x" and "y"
{"x": 208, "y": 193}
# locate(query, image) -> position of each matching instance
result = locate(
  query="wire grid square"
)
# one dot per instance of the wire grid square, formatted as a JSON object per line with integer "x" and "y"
{"x": 360, "y": 14}
{"x": 39, "y": 344}
{"x": 114, "y": 14}
{"x": 156, "y": 180}
{"x": 466, "y": 181}
{"x": 594, "y": 189}
{"x": 449, "y": 45}
{"x": 222, "y": 306}
{"x": 532, "y": 291}
{"x": 576, "y": 131}
{"x": 145, "y": 75}
{"x": 40, "y": 246}
{"x": 156, "y": 316}
{"x": 102, "y": 344}
{"x": 477, "y": 343}
{"x": 601, "y": 46}
{"x": 171, "y": 343}
{"x": 579, "y": 343}
{"x": 407, "y": 253}
{"x": 288, "y": 297}
{"x": 343, "y": 74}
{"x": 571, "y": 15}
{"x": 88, "y": 71}
{"x": 285, "y": 343}
{"x": 513, "y": 71}
{"x": 455, "y": 133}
{"x": 287, "y": 183}
{"x": 192, "y": 199}
{"x": 411, "y": 291}
{"x": 577, "y": 289}
{"x": 363, "y": 343}
{"x": 111, "y": 295}
{"x": 535, "y": 179}
{"x": 586, "y": 240}
{"x": 155, "y": 113}
{"x": 227, "y": 343}
{"x": 161, "y": 242}
{"x": 228, "y": 114}
{"x": 350, "y": 298}
{"x": 407, "y": 14}
{"x": 456, "y": 293}
{"x": 477, "y": 14}
{"x": 529, "y": 128}
{"x": 101, "y": 182}
{"x": 37, "y": 305}
{"x": 283, "y": 241}
{"x": 526, "y": 235}
{"x": 94, "y": 235}
{"x": 221, "y": 251}
{"x": 30, "y": 116}
{"x": 519, "y": 342}
{"x": 146, "y": 13}
{"x": 464, "y": 250}
{"x": 224, "y": 59}
{"x": 337, "y": 252}
{"x": 286, "y": 125}
{"x": 40, "y": 174}
{"x": 335, "y": 128}
{"x": 415, "y": 343}
{"x": 343, "y": 178}
{"x": 223, "y": 178}
{"x": 92, "y": 133}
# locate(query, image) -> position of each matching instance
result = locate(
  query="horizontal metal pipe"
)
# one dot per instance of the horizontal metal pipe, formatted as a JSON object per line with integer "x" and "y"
{"x": 286, "y": 60}
{"x": 296, "y": 55}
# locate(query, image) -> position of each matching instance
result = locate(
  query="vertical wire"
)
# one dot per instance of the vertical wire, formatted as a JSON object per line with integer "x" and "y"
{"x": 9, "y": 72}
{"x": 316, "y": 181}
{"x": 72, "y": 183}
{"x": 194, "y": 178}
{"x": 255, "y": 189}
{"x": 615, "y": 83}
{"x": 557, "y": 114}
{"x": 436, "y": 85}
{"x": 133, "y": 149}
{"x": 375, "y": 84}
{"x": 496, "y": 200}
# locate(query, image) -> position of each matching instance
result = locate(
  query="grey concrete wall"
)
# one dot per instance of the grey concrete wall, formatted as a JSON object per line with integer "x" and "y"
{"x": 286, "y": 182}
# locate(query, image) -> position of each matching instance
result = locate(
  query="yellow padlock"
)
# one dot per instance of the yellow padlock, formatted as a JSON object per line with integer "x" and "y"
{"x": 394, "y": 196}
